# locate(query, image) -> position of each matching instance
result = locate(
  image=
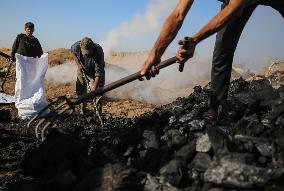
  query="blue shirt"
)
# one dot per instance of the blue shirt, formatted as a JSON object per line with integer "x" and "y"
{"x": 93, "y": 64}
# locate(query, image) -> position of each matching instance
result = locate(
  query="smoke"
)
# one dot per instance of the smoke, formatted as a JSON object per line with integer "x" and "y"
{"x": 169, "y": 84}
{"x": 166, "y": 87}
{"x": 64, "y": 73}
{"x": 139, "y": 25}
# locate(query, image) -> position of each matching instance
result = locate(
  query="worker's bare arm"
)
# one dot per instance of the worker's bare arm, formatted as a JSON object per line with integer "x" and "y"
{"x": 232, "y": 11}
{"x": 167, "y": 34}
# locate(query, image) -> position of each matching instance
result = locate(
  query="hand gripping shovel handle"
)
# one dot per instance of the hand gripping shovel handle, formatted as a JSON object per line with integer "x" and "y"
{"x": 120, "y": 82}
{"x": 185, "y": 44}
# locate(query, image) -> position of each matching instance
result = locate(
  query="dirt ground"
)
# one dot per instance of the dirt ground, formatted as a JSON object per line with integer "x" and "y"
{"x": 116, "y": 107}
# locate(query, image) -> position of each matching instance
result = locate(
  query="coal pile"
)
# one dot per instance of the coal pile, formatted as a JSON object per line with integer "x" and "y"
{"x": 5, "y": 116}
{"x": 171, "y": 148}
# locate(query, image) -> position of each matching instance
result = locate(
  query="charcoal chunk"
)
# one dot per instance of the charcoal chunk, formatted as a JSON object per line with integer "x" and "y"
{"x": 173, "y": 137}
{"x": 203, "y": 144}
{"x": 158, "y": 184}
{"x": 241, "y": 175}
{"x": 150, "y": 140}
{"x": 5, "y": 116}
{"x": 174, "y": 172}
{"x": 201, "y": 162}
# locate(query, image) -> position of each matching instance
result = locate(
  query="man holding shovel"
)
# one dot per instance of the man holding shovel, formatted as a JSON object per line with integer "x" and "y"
{"x": 89, "y": 58}
{"x": 229, "y": 23}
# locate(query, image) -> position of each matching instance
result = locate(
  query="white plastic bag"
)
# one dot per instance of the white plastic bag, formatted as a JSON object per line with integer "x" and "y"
{"x": 29, "y": 88}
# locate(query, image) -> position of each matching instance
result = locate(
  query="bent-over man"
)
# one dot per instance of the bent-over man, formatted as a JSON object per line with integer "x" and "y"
{"x": 89, "y": 58}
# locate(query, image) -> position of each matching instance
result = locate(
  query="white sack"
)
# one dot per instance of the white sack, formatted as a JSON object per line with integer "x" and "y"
{"x": 29, "y": 88}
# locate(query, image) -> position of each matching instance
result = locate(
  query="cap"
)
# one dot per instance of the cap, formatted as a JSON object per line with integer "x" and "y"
{"x": 87, "y": 45}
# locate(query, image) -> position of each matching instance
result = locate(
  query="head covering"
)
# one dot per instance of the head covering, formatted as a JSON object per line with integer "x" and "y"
{"x": 87, "y": 45}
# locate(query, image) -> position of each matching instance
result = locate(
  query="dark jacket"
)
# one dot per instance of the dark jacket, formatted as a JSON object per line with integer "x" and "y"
{"x": 26, "y": 46}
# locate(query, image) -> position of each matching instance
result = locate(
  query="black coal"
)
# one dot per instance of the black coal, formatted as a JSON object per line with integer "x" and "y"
{"x": 171, "y": 148}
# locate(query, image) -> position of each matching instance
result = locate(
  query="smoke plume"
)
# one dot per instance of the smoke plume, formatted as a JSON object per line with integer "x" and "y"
{"x": 64, "y": 73}
{"x": 139, "y": 25}
{"x": 165, "y": 87}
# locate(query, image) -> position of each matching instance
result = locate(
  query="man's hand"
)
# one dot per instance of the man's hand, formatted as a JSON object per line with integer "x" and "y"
{"x": 185, "y": 52}
{"x": 95, "y": 84}
{"x": 149, "y": 68}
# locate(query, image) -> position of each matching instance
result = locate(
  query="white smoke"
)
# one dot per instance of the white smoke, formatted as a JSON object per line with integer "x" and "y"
{"x": 138, "y": 25}
{"x": 64, "y": 73}
{"x": 165, "y": 87}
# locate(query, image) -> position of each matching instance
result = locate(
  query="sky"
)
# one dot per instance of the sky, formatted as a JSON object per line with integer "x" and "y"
{"x": 133, "y": 25}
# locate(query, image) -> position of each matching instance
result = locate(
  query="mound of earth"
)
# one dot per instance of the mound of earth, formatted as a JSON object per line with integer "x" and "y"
{"x": 123, "y": 108}
{"x": 58, "y": 56}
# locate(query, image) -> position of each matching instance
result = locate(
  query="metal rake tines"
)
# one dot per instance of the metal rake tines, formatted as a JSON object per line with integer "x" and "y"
{"x": 97, "y": 110}
{"x": 58, "y": 107}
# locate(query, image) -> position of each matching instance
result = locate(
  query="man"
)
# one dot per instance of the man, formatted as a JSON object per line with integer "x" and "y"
{"x": 31, "y": 66}
{"x": 26, "y": 44}
{"x": 230, "y": 22}
{"x": 89, "y": 58}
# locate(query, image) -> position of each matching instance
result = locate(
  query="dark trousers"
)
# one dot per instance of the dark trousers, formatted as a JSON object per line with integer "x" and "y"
{"x": 83, "y": 85}
{"x": 226, "y": 42}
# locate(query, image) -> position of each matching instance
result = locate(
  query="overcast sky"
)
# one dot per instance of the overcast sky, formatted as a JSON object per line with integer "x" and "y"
{"x": 131, "y": 25}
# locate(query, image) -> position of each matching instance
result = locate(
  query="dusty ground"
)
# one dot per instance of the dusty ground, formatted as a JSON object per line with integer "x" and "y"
{"x": 121, "y": 108}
